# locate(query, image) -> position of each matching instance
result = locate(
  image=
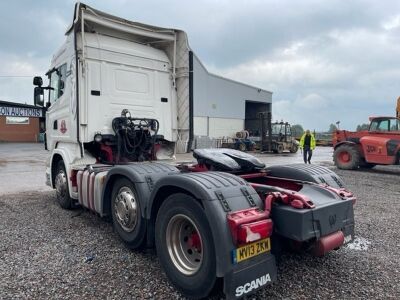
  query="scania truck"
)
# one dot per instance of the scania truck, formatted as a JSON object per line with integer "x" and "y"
{"x": 119, "y": 94}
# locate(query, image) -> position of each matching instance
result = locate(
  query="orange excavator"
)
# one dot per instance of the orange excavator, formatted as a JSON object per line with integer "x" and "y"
{"x": 380, "y": 145}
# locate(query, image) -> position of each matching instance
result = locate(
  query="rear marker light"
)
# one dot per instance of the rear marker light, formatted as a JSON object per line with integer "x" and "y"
{"x": 252, "y": 232}
{"x": 249, "y": 225}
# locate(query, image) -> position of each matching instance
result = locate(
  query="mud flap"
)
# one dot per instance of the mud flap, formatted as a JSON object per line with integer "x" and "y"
{"x": 348, "y": 232}
{"x": 250, "y": 276}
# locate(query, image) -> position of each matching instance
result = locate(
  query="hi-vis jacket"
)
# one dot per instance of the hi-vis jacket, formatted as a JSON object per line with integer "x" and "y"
{"x": 312, "y": 142}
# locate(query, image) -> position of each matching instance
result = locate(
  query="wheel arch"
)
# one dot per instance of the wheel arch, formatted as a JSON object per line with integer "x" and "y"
{"x": 107, "y": 193}
{"x": 66, "y": 152}
{"x": 309, "y": 173}
{"x": 143, "y": 177}
{"x": 204, "y": 187}
{"x": 56, "y": 158}
{"x": 345, "y": 143}
{"x": 161, "y": 193}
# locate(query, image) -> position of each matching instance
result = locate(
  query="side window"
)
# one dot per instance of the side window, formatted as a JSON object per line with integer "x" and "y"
{"x": 374, "y": 126}
{"x": 63, "y": 77}
{"x": 394, "y": 125}
{"x": 57, "y": 82}
{"x": 54, "y": 84}
{"x": 383, "y": 125}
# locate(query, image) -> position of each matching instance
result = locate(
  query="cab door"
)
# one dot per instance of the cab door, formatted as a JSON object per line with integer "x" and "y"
{"x": 60, "y": 125}
{"x": 375, "y": 144}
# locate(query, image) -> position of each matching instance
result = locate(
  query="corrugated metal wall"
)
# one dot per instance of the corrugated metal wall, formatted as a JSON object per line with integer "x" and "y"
{"x": 219, "y": 103}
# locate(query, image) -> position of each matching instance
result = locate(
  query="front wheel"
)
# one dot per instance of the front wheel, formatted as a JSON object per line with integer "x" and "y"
{"x": 346, "y": 157}
{"x": 61, "y": 186}
{"x": 185, "y": 246}
{"x": 294, "y": 148}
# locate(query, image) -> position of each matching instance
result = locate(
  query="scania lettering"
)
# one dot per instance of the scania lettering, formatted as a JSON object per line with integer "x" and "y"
{"x": 254, "y": 284}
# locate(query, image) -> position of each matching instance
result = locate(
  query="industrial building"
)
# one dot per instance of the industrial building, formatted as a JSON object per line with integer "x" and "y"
{"x": 20, "y": 122}
{"x": 223, "y": 106}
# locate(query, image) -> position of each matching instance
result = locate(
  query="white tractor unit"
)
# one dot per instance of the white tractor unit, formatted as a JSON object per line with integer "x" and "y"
{"x": 120, "y": 94}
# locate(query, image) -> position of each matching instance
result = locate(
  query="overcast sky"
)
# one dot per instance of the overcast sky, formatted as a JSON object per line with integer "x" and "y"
{"x": 324, "y": 61}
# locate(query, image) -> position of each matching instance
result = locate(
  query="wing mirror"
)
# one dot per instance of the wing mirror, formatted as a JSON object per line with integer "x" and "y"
{"x": 38, "y": 96}
{"x": 38, "y": 92}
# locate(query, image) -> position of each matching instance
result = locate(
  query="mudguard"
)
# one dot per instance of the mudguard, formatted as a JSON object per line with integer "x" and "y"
{"x": 143, "y": 175}
{"x": 309, "y": 173}
{"x": 350, "y": 141}
{"x": 331, "y": 214}
{"x": 222, "y": 159}
{"x": 70, "y": 154}
{"x": 219, "y": 194}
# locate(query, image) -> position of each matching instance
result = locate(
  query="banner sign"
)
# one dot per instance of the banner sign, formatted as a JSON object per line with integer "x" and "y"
{"x": 11, "y": 111}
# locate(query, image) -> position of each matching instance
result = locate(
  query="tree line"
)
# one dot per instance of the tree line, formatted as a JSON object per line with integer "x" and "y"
{"x": 298, "y": 129}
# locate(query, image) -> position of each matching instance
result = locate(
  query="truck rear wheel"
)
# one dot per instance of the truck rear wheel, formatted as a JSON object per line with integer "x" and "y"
{"x": 346, "y": 157}
{"x": 126, "y": 214}
{"x": 61, "y": 186}
{"x": 185, "y": 246}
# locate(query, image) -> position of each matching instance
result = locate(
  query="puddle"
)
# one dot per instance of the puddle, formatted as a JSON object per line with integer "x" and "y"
{"x": 359, "y": 244}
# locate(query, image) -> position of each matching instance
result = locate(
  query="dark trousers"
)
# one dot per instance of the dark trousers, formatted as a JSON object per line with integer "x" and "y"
{"x": 307, "y": 150}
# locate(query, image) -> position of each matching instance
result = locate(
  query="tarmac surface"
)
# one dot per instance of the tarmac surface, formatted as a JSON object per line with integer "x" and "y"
{"x": 47, "y": 252}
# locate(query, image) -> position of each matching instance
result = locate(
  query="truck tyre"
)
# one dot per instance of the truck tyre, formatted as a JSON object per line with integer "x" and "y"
{"x": 185, "y": 246}
{"x": 294, "y": 148}
{"x": 346, "y": 157}
{"x": 61, "y": 186}
{"x": 242, "y": 147}
{"x": 126, "y": 214}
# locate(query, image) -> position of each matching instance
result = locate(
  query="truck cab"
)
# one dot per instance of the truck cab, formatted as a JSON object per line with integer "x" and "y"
{"x": 382, "y": 144}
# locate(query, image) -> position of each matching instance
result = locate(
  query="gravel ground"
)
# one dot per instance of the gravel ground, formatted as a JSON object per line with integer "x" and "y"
{"x": 47, "y": 252}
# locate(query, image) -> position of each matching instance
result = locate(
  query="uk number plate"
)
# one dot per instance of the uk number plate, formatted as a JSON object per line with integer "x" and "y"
{"x": 251, "y": 250}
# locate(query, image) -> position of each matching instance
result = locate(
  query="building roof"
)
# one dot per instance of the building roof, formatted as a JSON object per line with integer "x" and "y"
{"x": 15, "y": 104}
{"x": 228, "y": 79}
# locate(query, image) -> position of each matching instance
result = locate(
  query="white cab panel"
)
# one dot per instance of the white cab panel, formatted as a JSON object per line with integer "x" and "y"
{"x": 125, "y": 75}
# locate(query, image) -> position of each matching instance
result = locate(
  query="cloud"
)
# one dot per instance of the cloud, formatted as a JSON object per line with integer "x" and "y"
{"x": 347, "y": 74}
{"x": 311, "y": 102}
{"x": 16, "y": 74}
{"x": 323, "y": 60}
{"x": 304, "y": 110}
{"x": 392, "y": 23}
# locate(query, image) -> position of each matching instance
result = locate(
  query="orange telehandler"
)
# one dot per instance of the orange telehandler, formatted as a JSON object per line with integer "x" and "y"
{"x": 380, "y": 145}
